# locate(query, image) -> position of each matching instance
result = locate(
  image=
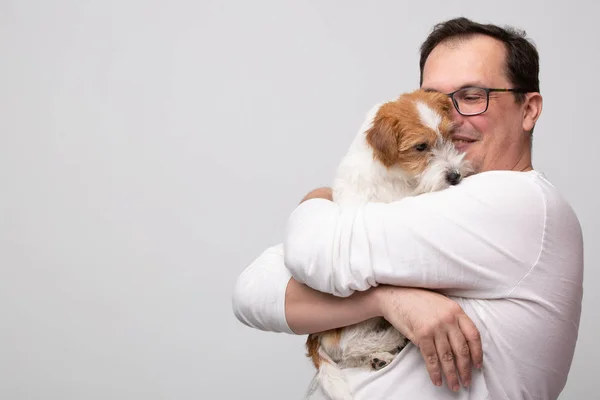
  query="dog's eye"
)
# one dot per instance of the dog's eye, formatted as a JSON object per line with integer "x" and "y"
{"x": 421, "y": 147}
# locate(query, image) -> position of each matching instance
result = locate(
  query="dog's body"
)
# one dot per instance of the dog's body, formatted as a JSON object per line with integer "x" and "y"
{"x": 404, "y": 148}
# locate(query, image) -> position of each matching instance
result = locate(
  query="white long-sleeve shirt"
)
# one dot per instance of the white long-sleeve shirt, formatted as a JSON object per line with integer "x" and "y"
{"x": 505, "y": 245}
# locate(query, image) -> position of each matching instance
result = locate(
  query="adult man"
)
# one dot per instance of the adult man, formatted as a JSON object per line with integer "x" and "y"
{"x": 503, "y": 248}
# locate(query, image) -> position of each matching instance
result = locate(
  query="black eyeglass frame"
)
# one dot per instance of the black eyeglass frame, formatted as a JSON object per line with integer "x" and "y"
{"x": 487, "y": 97}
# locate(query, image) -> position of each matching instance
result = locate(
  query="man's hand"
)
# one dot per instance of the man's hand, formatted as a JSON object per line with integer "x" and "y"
{"x": 320, "y": 193}
{"x": 438, "y": 326}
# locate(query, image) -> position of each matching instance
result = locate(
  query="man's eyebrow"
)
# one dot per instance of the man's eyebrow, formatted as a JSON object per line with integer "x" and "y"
{"x": 466, "y": 85}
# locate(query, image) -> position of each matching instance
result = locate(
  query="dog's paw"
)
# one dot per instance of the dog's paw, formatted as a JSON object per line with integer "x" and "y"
{"x": 381, "y": 360}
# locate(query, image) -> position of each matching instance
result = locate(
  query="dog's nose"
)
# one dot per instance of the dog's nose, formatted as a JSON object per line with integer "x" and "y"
{"x": 453, "y": 177}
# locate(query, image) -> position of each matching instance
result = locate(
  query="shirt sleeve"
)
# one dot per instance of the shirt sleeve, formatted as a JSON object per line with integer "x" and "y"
{"x": 258, "y": 299}
{"x": 476, "y": 239}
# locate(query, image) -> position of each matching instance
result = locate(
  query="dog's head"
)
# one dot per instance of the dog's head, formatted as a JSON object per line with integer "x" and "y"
{"x": 412, "y": 136}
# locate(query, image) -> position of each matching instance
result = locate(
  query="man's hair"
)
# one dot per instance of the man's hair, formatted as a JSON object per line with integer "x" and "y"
{"x": 522, "y": 59}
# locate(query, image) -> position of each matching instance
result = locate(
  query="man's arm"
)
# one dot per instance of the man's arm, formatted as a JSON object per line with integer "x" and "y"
{"x": 267, "y": 298}
{"x": 477, "y": 239}
{"x": 309, "y": 311}
{"x": 442, "y": 331}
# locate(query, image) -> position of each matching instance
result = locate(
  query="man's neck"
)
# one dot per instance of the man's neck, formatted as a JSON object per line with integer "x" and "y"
{"x": 523, "y": 164}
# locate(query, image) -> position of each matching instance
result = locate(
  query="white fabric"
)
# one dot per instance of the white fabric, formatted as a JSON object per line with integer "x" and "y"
{"x": 505, "y": 245}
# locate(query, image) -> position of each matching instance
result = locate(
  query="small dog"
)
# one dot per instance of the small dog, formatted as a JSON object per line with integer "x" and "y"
{"x": 404, "y": 148}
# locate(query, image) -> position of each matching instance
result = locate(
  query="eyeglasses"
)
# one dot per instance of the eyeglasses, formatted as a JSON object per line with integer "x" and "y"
{"x": 474, "y": 100}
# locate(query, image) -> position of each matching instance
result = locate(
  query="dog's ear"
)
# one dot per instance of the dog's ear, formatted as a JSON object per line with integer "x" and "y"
{"x": 383, "y": 138}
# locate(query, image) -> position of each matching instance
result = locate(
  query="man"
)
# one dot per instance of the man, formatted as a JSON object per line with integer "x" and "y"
{"x": 502, "y": 250}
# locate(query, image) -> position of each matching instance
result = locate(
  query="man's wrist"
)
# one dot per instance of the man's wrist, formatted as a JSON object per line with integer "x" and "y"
{"x": 370, "y": 301}
{"x": 377, "y": 300}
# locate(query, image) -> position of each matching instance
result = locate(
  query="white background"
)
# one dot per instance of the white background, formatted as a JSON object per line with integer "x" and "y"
{"x": 150, "y": 150}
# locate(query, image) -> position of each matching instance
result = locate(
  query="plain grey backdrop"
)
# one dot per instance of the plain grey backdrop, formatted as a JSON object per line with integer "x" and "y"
{"x": 150, "y": 150}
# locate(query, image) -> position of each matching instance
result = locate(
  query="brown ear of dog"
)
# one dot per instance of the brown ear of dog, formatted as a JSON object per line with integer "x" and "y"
{"x": 383, "y": 136}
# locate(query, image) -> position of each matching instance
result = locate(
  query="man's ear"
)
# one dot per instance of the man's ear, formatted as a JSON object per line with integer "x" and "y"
{"x": 532, "y": 111}
{"x": 383, "y": 138}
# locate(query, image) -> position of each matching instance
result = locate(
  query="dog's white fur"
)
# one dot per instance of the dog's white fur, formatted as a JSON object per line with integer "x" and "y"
{"x": 361, "y": 178}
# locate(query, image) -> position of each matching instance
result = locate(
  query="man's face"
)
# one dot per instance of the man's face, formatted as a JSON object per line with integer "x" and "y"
{"x": 496, "y": 139}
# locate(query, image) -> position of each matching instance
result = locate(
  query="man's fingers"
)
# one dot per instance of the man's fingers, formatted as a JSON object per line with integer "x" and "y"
{"x": 462, "y": 355}
{"x": 432, "y": 363}
{"x": 446, "y": 356}
{"x": 471, "y": 334}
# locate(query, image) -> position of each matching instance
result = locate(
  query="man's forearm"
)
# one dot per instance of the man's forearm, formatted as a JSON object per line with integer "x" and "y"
{"x": 310, "y": 311}
{"x": 434, "y": 323}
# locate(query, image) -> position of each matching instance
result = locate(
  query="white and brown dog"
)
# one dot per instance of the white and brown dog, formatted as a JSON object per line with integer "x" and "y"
{"x": 404, "y": 148}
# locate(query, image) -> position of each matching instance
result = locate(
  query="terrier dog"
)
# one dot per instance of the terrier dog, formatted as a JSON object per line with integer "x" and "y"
{"x": 404, "y": 148}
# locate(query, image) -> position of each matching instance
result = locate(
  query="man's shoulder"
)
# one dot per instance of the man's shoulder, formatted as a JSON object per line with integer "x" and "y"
{"x": 504, "y": 180}
{"x": 522, "y": 186}
{"x": 502, "y": 190}
{"x": 523, "y": 192}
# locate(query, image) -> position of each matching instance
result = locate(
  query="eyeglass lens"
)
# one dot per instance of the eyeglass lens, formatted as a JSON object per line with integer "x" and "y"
{"x": 471, "y": 100}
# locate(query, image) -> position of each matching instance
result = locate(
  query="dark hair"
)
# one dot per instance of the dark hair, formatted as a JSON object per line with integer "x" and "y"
{"x": 522, "y": 59}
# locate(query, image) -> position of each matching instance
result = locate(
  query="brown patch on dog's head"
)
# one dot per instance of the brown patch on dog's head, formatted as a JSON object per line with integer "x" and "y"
{"x": 405, "y": 130}
{"x": 442, "y": 104}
